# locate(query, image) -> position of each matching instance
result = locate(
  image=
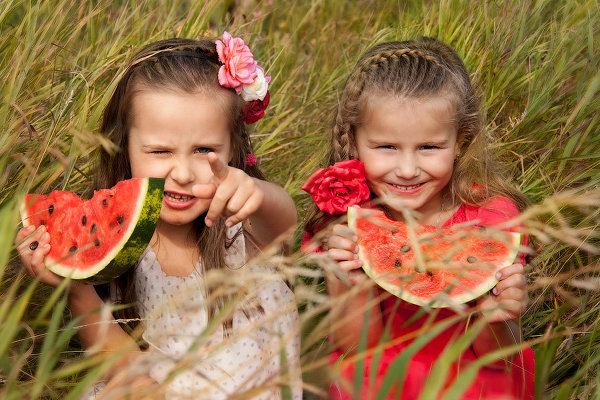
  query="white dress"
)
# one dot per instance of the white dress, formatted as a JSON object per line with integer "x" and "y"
{"x": 219, "y": 367}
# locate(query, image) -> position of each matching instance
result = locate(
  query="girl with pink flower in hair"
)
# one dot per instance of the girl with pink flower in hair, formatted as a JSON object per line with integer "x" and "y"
{"x": 178, "y": 112}
{"x": 409, "y": 139}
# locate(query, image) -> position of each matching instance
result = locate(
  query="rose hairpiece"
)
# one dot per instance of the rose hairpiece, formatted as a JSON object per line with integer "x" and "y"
{"x": 241, "y": 72}
{"x": 338, "y": 186}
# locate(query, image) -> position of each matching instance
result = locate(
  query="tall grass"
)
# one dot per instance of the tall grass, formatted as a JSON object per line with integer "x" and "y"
{"x": 536, "y": 62}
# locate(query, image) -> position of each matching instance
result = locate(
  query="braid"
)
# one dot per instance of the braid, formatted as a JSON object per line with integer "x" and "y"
{"x": 367, "y": 73}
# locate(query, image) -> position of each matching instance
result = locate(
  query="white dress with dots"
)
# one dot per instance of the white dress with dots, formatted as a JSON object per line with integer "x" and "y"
{"x": 219, "y": 366}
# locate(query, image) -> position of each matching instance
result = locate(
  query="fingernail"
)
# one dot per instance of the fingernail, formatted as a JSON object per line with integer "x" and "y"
{"x": 46, "y": 236}
{"x": 228, "y": 223}
{"x": 208, "y": 222}
{"x": 46, "y": 246}
{"x": 356, "y": 256}
{"x": 30, "y": 228}
{"x": 495, "y": 291}
{"x": 498, "y": 275}
{"x": 356, "y": 249}
{"x": 360, "y": 262}
{"x": 41, "y": 228}
{"x": 355, "y": 238}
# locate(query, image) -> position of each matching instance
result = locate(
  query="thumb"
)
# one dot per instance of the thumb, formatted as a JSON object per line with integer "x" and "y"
{"x": 204, "y": 190}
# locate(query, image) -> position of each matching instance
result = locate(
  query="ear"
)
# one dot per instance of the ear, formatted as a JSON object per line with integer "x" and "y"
{"x": 460, "y": 140}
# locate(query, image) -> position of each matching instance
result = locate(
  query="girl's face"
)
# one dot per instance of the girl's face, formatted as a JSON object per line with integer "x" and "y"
{"x": 169, "y": 137}
{"x": 408, "y": 147}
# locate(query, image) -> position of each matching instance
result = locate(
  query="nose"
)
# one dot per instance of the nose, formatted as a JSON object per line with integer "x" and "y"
{"x": 182, "y": 171}
{"x": 407, "y": 166}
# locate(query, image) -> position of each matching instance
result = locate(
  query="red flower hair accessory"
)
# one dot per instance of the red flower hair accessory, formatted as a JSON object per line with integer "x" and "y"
{"x": 241, "y": 72}
{"x": 338, "y": 187}
{"x": 250, "y": 159}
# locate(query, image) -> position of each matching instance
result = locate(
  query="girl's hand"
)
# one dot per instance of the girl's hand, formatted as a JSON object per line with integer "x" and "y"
{"x": 33, "y": 245}
{"x": 509, "y": 298}
{"x": 234, "y": 194}
{"x": 341, "y": 246}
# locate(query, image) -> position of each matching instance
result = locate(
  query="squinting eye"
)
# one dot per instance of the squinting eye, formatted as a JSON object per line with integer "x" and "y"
{"x": 160, "y": 152}
{"x": 386, "y": 147}
{"x": 429, "y": 147}
{"x": 203, "y": 150}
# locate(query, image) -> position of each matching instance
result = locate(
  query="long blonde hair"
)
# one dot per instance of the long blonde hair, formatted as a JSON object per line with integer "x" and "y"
{"x": 420, "y": 69}
{"x": 187, "y": 66}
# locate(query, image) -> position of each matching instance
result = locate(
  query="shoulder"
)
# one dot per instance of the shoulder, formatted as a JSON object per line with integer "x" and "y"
{"x": 492, "y": 211}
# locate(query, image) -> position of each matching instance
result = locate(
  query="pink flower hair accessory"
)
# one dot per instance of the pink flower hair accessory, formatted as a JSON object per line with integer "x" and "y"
{"x": 241, "y": 72}
{"x": 338, "y": 187}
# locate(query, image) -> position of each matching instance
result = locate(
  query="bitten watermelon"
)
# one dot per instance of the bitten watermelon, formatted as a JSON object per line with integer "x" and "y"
{"x": 457, "y": 265}
{"x": 96, "y": 240}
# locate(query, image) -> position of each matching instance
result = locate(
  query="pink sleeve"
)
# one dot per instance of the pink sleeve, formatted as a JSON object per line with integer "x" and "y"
{"x": 308, "y": 245}
{"x": 498, "y": 210}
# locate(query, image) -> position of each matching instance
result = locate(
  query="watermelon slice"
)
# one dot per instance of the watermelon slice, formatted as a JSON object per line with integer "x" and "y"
{"x": 97, "y": 240}
{"x": 456, "y": 265}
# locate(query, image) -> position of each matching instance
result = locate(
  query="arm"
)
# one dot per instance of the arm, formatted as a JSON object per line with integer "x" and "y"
{"x": 97, "y": 329}
{"x": 348, "y": 315}
{"x": 239, "y": 197}
{"x": 503, "y": 310}
{"x": 275, "y": 215}
{"x": 83, "y": 299}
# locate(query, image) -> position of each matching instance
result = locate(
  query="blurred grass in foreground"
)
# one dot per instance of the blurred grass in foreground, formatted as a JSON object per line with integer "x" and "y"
{"x": 537, "y": 65}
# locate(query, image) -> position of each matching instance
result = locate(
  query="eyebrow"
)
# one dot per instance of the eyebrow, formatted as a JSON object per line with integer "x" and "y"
{"x": 392, "y": 143}
{"x": 436, "y": 142}
{"x": 167, "y": 146}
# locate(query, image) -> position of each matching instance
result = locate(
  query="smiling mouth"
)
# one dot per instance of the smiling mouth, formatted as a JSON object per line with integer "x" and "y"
{"x": 406, "y": 187}
{"x": 178, "y": 197}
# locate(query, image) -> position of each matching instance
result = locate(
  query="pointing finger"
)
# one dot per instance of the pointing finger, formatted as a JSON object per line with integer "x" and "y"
{"x": 218, "y": 167}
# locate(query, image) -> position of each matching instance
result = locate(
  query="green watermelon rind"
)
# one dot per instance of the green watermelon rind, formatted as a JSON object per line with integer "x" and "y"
{"x": 125, "y": 253}
{"x": 484, "y": 287}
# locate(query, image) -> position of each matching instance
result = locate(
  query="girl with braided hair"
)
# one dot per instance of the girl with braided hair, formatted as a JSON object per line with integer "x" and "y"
{"x": 409, "y": 118}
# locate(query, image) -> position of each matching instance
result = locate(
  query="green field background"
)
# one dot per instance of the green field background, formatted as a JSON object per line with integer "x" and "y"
{"x": 536, "y": 64}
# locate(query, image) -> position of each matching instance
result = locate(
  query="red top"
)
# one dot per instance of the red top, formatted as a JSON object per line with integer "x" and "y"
{"x": 511, "y": 379}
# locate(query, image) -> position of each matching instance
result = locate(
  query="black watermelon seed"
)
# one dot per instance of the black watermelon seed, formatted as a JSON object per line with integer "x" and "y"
{"x": 120, "y": 219}
{"x": 429, "y": 273}
{"x": 481, "y": 227}
{"x": 43, "y": 222}
{"x": 93, "y": 230}
{"x": 83, "y": 220}
{"x": 405, "y": 248}
{"x": 73, "y": 249}
{"x": 471, "y": 259}
{"x": 96, "y": 243}
{"x": 51, "y": 208}
{"x": 104, "y": 202}
{"x": 397, "y": 263}
{"x": 33, "y": 245}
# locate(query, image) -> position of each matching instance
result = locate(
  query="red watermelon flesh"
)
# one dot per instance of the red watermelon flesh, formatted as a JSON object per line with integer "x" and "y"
{"x": 97, "y": 239}
{"x": 457, "y": 265}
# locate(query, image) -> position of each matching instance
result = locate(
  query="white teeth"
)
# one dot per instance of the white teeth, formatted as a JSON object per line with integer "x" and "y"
{"x": 178, "y": 197}
{"x": 405, "y": 187}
